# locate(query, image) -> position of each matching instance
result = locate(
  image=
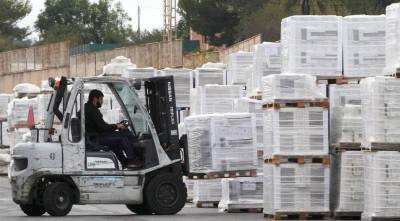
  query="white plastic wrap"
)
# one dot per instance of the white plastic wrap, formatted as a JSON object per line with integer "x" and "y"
{"x": 312, "y": 45}
{"x": 189, "y": 187}
{"x": 290, "y": 86}
{"x": 266, "y": 61}
{"x": 17, "y": 136}
{"x": 21, "y": 90}
{"x": 5, "y": 140}
{"x": 203, "y": 76}
{"x": 345, "y": 113}
{"x": 17, "y": 111}
{"x": 45, "y": 87}
{"x": 292, "y": 187}
{"x": 348, "y": 182}
{"x": 214, "y": 65}
{"x": 221, "y": 142}
{"x": 296, "y": 131}
{"x": 392, "y": 38}
{"x": 247, "y": 105}
{"x": 380, "y": 110}
{"x": 363, "y": 45}
{"x": 118, "y": 66}
{"x": 237, "y": 67}
{"x": 207, "y": 191}
{"x": 211, "y": 99}
{"x": 241, "y": 193}
{"x": 4, "y": 100}
{"x": 382, "y": 184}
{"x": 182, "y": 85}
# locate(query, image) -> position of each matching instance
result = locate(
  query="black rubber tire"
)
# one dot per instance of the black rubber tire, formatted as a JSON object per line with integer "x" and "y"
{"x": 165, "y": 194}
{"x": 58, "y": 199}
{"x": 139, "y": 209}
{"x": 32, "y": 210}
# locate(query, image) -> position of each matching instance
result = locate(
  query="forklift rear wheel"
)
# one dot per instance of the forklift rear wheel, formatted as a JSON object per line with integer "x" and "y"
{"x": 58, "y": 199}
{"x": 32, "y": 210}
{"x": 138, "y": 209}
{"x": 165, "y": 194}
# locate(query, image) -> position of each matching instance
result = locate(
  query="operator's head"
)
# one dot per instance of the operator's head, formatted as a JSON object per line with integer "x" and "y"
{"x": 96, "y": 98}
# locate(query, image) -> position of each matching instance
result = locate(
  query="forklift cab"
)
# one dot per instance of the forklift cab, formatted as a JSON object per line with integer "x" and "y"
{"x": 53, "y": 175}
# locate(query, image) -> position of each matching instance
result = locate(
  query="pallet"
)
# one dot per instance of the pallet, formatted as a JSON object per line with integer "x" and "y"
{"x": 245, "y": 210}
{"x": 286, "y": 103}
{"x": 277, "y": 159}
{"x": 339, "y": 80}
{"x": 260, "y": 153}
{"x": 207, "y": 204}
{"x": 344, "y": 146}
{"x": 224, "y": 174}
{"x": 380, "y": 218}
{"x": 347, "y": 215}
{"x": 256, "y": 97}
{"x": 374, "y": 146}
{"x": 298, "y": 216}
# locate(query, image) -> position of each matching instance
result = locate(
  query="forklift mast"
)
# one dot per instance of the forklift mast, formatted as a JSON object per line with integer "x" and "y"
{"x": 161, "y": 105}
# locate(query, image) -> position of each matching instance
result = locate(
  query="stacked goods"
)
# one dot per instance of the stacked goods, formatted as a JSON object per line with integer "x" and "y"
{"x": 296, "y": 148}
{"x": 4, "y": 100}
{"x": 45, "y": 87}
{"x": 4, "y": 160}
{"x": 296, "y": 131}
{"x": 214, "y": 65}
{"x": 289, "y": 86}
{"x": 345, "y": 114}
{"x": 210, "y": 99}
{"x": 189, "y": 187}
{"x": 392, "y": 38}
{"x": 291, "y": 187}
{"x": 18, "y": 111}
{"x": 118, "y": 66}
{"x": 221, "y": 142}
{"x": 312, "y": 45}
{"x": 380, "y": 97}
{"x": 26, "y": 90}
{"x": 181, "y": 84}
{"x": 5, "y": 140}
{"x": 203, "y": 76}
{"x": 382, "y": 181}
{"x": 237, "y": 67}
{"x": 207, "y": 193}
{"x": 348, "y": 183}
{"x": 241, "y": 193}
{"x": 140, "y": 73}
{"x": 363, "y": 45}
{"x": 266, "y": 61}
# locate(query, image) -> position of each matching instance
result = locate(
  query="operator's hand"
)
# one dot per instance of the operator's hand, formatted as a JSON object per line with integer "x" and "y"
{"x": 121, "y": 126}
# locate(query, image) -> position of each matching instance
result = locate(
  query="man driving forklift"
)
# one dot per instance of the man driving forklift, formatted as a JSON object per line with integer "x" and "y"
{"x": 120, "y": 142}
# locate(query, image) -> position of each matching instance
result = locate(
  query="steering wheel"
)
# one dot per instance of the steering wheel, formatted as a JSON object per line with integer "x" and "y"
{"x": 125, "y": 123}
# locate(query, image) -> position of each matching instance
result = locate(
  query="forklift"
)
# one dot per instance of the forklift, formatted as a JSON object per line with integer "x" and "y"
{"x": 53, "y": 175}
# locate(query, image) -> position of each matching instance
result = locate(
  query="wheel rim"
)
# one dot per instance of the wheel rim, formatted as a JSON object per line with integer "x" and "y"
{"x": 167, "y": 194}
{"x": 62, "y": 200}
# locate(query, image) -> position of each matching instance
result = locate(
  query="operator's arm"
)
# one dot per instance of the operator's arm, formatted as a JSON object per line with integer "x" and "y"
{"x": 101, "y": 125}
{"x": 94, "y": 121}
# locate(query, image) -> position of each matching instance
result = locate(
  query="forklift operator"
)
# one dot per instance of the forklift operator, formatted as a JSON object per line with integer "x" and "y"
{"x": 118, "y": 141}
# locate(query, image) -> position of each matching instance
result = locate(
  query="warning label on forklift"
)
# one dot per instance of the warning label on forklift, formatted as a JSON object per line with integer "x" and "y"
{"x": 102, "y": 181}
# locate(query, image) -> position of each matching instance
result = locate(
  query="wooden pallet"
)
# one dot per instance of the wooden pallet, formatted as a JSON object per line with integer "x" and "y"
{"x": 224, "y": 174}
{"x": 256, "y": 97}
{"x": 286, "y": 103}
{"x": 260, "y": 153}
{"x": 380, "y": 218}
{"x": 245, "y": 210}
{"x": 339, "y": 80}
{"x": 277, "y": 159}
{"x": 298, "y": 216}
{"x": 347, "y": 215}
{"x": 383, "y": 147}
{"x": 207, "y": 204}
{"x": 344, "y": 146}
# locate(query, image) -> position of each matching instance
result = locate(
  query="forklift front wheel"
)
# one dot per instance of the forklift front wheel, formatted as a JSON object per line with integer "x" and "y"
{"x": 165, "y": 194}
{"x": 32, "y": 210}
{"x": 58, "y": 199}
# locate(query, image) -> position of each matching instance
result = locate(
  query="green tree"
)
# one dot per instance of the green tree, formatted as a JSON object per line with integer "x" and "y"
{"x": 83, "y": 22}
{"x": 183, "y": 29}
{"x": 146, "y": 36}
{"x": 12, "y": 11}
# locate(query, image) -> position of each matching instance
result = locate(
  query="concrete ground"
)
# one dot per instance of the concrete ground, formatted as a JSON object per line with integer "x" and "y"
{"x": 10, "y": 211}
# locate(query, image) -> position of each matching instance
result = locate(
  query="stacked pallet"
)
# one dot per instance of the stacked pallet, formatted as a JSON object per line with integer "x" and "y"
{"x": 203, "y": 76}
{"x": 266, "y": 61}
{"x": 243, "y": 194}
{"x": 207, "y": 193}
{"x": 181, "y": 84}
{"x": 347, "y": 184}
{"x": 296, "y": 153}
{"x": 381, "y": 140}
{"x": 238, "y": 63}
{"x": 392, "y": 38}
{"x": 363, "y": 45}
{"x": 312, "y": 45}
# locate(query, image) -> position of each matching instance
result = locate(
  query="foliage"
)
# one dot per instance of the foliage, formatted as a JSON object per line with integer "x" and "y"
{"x": 12, "y": 11}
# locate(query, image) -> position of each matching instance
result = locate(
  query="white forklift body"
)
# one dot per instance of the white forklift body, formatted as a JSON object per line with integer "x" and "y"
{"x": 71, "y": 172}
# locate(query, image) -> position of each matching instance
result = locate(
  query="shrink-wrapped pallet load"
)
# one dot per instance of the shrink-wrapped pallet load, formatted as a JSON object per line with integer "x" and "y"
{"x": 203, "y": 76}
{"x": 237, "y": 72}
{"x": 207, "y": 191}
{"x": 181, "y": 84}
{"x": 392, "y": 38}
